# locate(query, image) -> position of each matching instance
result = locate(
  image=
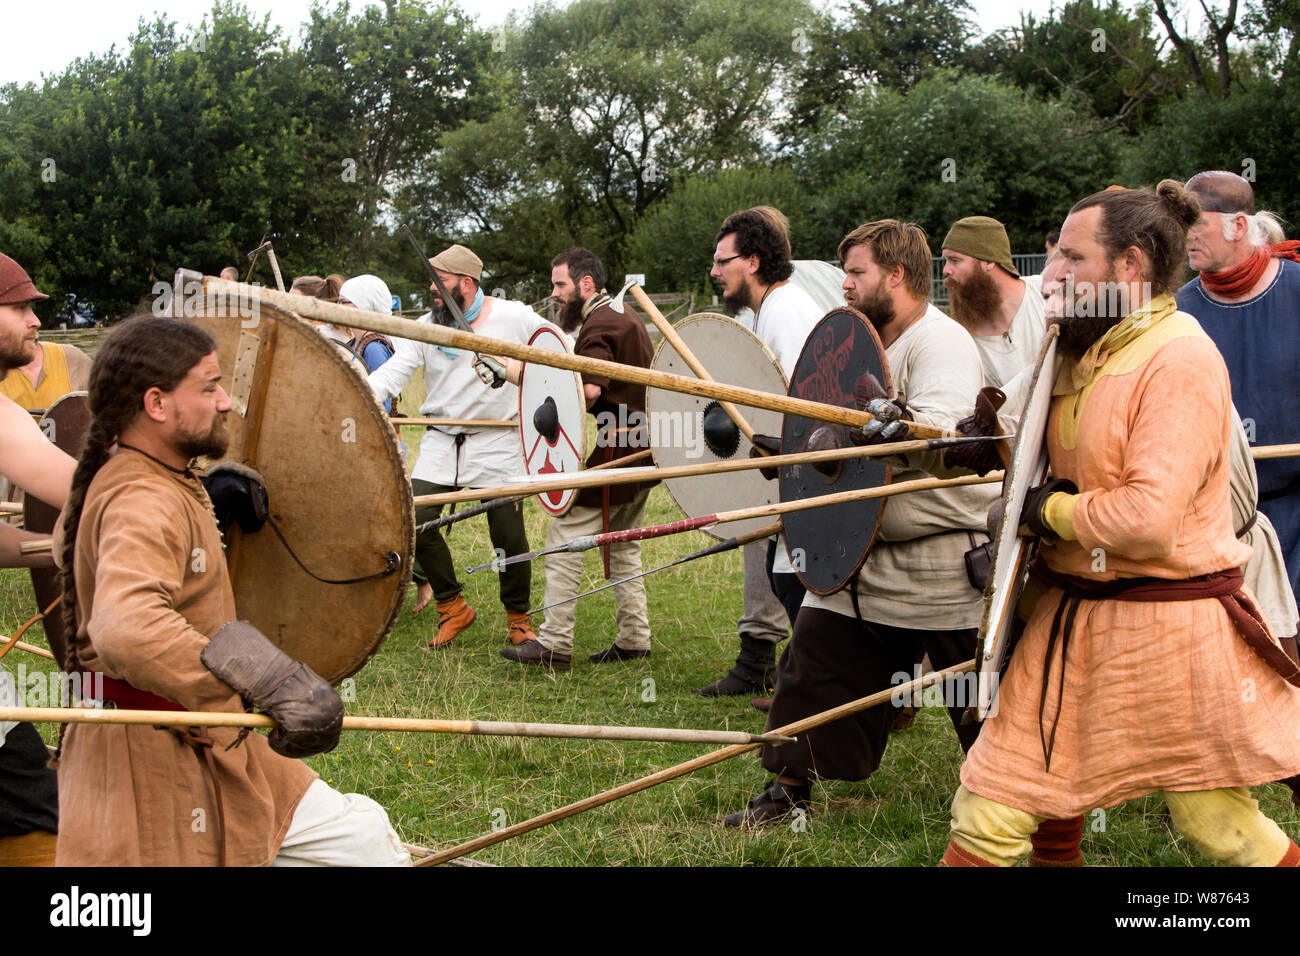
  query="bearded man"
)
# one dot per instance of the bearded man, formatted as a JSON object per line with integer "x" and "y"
{"x": 454, "y": 457}
{"x": 912, "y": 596}
{"x": 1247, "y": 298}
{"x": 151, "y": 623}
{"x": 987, "y": 295}
{"x": 1140, "y": 589}
{"x": 578, "y": 284}
{"x": 751, "y": 262}
{"x": 28, "y": 792}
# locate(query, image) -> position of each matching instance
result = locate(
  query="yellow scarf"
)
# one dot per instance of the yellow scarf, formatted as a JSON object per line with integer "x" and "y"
{"x": 1075, "y": 375}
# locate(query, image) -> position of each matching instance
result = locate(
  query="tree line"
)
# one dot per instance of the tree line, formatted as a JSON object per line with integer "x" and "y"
{"x": 631, "y": 127}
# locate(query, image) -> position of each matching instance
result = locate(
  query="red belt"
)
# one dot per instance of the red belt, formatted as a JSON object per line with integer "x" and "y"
{"x": 123, "y": 695}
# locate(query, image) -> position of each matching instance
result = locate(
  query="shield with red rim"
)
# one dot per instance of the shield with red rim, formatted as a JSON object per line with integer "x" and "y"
{"x": 552, "y": 420}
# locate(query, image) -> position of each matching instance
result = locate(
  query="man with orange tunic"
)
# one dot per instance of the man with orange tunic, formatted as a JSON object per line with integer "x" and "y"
{"x": 1129, "y": 678}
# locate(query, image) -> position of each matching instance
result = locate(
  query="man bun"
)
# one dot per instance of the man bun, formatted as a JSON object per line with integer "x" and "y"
{"x": 1182, "y": 204}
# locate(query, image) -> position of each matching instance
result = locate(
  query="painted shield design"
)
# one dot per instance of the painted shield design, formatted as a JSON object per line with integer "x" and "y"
{"x": 1011, "y": 553}
{"x": 66, "y": 423}
{"x": 690, "y": 430}
{"x": 325, "y": 578}
{"x": 828, "y": 546}
{"x": 552, "y": 420}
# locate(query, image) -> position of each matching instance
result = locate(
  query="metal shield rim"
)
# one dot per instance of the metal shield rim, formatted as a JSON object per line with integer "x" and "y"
{"x": 571, "y": 494}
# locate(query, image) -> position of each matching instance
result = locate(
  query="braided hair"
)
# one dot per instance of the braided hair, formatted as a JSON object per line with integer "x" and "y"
{"x": 140, "y": 353}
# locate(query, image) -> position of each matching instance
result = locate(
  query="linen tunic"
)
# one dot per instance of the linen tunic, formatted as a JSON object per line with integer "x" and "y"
{"x": 152, "y": 589}
{"x": 1157, "y": 696}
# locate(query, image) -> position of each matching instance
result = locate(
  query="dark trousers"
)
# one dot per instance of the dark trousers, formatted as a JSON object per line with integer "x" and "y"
{"x": 29, "y": 796}
{"x": 433, "y": 558}
{"x": 789, "y": 590}
{"x": 833, "y": 659}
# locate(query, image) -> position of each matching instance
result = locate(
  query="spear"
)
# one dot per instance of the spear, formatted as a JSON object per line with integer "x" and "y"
{"x": 912, "y": 688}
{"x": 729, "y": 545}
{"x": 478, "y": 509}
{"x": 634, "y": 475}
{"x": 441, "y": 335}
{"x": 490, "y": 728}
{"x": 12, "y": 642}
{"x": 588, "y": 541}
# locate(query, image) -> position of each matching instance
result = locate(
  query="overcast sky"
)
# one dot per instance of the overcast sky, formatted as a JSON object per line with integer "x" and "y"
{"x": 44, "y": 36}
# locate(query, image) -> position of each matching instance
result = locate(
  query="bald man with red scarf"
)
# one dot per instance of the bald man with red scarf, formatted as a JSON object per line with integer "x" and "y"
{"x": 1247, "y": 298}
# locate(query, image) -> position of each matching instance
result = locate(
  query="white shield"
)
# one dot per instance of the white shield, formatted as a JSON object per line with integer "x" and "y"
{"x": 553, "y": 398}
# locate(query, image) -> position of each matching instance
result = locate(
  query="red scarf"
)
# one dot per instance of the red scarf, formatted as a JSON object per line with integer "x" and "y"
{"x": 1236, "y": 282}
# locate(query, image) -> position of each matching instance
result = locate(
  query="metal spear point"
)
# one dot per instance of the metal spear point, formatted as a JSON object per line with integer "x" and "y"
{"x": 488, "y": 368}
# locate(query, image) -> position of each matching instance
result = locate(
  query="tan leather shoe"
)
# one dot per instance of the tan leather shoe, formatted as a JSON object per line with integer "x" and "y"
{"x": 519, "y": 628}
{"x": 453, "y": 617}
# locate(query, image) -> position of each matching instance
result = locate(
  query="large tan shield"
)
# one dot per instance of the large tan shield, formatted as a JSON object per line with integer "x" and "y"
{"x": 552, "y": 420}
{"x": 1012, "y": 553}
{"x": 326, "y": 576}
{"x": 690, "y": 430}
{"x": 66, "y": 423}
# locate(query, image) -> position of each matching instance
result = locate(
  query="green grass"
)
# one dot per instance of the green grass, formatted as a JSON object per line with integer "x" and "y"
{"x": 444, "y": 789}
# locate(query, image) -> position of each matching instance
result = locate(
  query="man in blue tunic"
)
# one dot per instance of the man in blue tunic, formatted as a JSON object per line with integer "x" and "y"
{"x": 1247, "y": 298}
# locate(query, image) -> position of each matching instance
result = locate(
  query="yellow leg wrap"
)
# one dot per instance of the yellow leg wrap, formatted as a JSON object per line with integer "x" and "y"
{"x": 991, "y": 831}
{"x": 1227, "y": 826}
{"x": 30, "y": 849}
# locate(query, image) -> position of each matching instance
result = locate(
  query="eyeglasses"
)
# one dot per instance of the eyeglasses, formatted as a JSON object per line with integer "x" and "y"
{"x": 718, "y": 263}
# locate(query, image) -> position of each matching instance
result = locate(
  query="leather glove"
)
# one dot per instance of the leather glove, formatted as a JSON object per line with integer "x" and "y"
{"x": 307, "y": 711}
{"x": 238, "y": 495}
{"x": 1032, "y": 515}
{"x": 764, "y": 445}
{"x": 979, "y": 457}
{"x": 487, "y": 375}
{"x": 870, "y": 396}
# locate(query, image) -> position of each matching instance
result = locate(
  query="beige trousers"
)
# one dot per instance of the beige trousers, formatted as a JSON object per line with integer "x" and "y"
{"x": 564, "y": 576}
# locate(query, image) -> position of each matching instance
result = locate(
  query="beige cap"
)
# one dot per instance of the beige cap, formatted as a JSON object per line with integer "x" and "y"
{"x": 459, "y": 261}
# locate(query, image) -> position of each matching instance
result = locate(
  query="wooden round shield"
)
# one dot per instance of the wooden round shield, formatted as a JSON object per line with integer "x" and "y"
{"x": 66, "y": 423}
{"x": 327, "y": 575}
{"x": 552, "y": 420}
{"x": 828, "y": 546}
{"x": 690, "y": 430}
{"x": 1012, "y": 553}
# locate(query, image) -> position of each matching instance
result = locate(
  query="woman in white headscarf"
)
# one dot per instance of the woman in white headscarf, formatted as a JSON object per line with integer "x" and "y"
{"x": 370, "y": 294}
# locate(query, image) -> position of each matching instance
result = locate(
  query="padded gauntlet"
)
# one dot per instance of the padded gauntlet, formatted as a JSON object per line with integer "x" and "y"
{"x": 870, "y": 396}
{"x": 238, "y": 494}
{"x": 307, "y": 711}
{"x": 980, "y": 457}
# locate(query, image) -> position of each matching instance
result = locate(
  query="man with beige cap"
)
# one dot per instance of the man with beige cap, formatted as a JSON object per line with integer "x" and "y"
{"x": 454, "y": 457}
{"x": 989, "y": 298}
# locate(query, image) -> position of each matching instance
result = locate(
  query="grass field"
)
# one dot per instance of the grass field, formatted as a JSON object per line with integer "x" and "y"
{"x": 443, "y": 789}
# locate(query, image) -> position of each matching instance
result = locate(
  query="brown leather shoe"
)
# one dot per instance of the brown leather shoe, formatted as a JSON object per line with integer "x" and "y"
{"x": 534, "y": 652}
{"x": 453, "y": 617}
{"x": 519, "y": 628}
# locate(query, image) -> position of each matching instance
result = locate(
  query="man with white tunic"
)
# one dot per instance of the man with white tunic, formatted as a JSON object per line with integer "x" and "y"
{"x": 751, "y": 261}
{"x": 988, "y": 296}
{"x": 453, "y": 457}
{"x": 912, "y": 595}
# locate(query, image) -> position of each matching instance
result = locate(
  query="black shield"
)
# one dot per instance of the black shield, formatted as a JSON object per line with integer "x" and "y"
{"x": 829, "y": 545}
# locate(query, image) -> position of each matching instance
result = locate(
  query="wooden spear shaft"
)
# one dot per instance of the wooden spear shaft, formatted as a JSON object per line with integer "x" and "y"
{"x": 585, "y": 479}
{"x": 478, "y": 728}
{"x": 694, "y": 364}
{"x": 36, "y": 546}
{"x": 442, "y": 335}
{"x": 707, "y": 760}
{"x": 1276, "y": 451}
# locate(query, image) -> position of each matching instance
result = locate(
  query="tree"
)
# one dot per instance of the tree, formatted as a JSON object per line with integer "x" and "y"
{"x": 1220, "y": 26}
{"x": 954, "y": 146}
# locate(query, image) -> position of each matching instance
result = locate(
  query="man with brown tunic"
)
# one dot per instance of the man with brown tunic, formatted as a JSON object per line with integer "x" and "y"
{"x": 578, "y": 282}
{"x": 151, "y": 617}
{"x": 1145, "y": 666}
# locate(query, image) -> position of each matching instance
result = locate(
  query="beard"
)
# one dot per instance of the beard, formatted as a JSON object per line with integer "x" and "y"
{"x": 442, "y": 315}
{"x": 974, "y": 300}
{"x": 570, "y": 314}
{"x": 740, "y": 300}
{"x": 16, "y": 354}
{"x": 1086, "y": 320}
{"x": 877, "y": 307}
{"x": 211, "y": 444}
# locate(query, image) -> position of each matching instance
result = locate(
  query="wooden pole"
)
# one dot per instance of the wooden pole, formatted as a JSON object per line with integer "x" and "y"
{"x": 707, "y": 760}
{"x": 456, "y": 422}
{"x": 14, "y": 641}
{"x": 441, "y": 335}
{"x": 1276, "y": 451}
{"x": 33, "y": 649}
{"x": 694, "y": 364}
{"x": 36, "y": 546}
{"x": 584, "y": 479}
{"x": 11, "y": 507}
{"x": 477, "y": 728}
